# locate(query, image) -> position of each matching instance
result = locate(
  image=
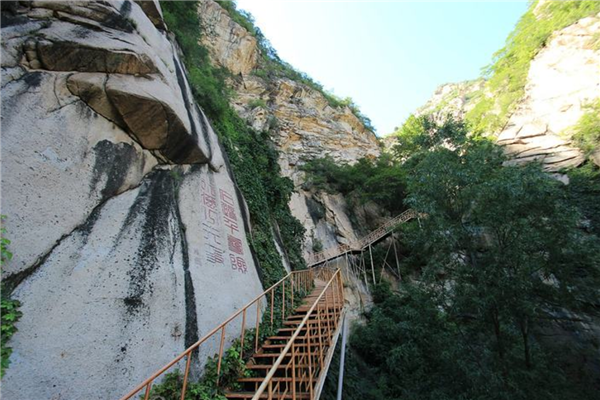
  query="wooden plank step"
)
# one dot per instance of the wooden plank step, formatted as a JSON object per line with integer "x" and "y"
{"x": 249, "y": 395}
{"x": 300, "y": 317}
{"x": 304, "y": 328}
{"x": 282, "y": 345}
{"x": 269, "y": 366}
{"x": 287, "y": 338}
{"x": 275, "y": 379}
{"x": 276, "y": 355}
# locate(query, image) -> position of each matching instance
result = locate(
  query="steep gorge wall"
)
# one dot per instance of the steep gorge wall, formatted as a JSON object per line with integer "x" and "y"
{"x": 300, "y": 120}
{"x": 563, "y": 77}
{"x": 125, "y": 221}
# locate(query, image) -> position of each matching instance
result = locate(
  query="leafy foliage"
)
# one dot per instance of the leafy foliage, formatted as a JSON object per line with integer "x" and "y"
{"x": 422, "y": 133}
{"x": 500, "y": 259}
{"x": 583, "y": 191}
{"x": 9, "y": 308}
{"x": 586, "y": 133}
{"x": 251, "y": 154}
{"x": 232, "y": 368}
{"x": 507, "y": 74}
{"x": 380, "y": 180}
{"x": 257, "y": 103}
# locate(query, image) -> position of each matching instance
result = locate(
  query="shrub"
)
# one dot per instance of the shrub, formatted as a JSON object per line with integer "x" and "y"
{"x": 254, "y": 103}
{"x": 586, "y": 133}
{"x": 9, "y": 308}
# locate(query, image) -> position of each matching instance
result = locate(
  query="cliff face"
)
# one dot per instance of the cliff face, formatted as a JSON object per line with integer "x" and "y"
{"x": 124, "y": 217}
{"x": 300, "y": 120}
{"x": 563, "y": 77}
{"x": 452, "y": 99}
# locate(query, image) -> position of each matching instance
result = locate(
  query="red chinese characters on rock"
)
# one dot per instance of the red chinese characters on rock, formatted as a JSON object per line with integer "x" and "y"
{"x": 238, "y": 263}
{"x": 228, "y": 208}
{"x": 234, "y": 243}
{"x": 210, "y": 231}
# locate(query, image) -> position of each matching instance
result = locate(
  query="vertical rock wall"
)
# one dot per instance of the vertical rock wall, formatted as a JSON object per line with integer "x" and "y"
{"x": 302, "y": 123}
{"x": 563, "y": 78}
{"x": 128, "y": 231}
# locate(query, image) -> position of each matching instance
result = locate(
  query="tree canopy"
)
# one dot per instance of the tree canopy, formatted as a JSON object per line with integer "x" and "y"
{"x": 499, "y": 263}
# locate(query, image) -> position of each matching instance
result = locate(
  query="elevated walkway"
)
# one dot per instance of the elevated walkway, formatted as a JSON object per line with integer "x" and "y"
{"x": 362, "y": 243}
{"x": 292, "y": 364}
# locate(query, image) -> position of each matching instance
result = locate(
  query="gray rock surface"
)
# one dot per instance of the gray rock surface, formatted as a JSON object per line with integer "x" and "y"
{"x": 562, "y": 78}
{"x": 126, "y": 226}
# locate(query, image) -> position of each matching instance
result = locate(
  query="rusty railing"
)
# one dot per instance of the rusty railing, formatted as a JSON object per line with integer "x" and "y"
{"x": 302, "y": 365}
{"x": 298, "y": 282}
{"x": 363, "y": 242}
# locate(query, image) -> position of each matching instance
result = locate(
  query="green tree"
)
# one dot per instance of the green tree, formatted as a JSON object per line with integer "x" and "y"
{"x": 499, "y": 260}
{"x": 381, "y": 180}
{"x": 503, "y": 248}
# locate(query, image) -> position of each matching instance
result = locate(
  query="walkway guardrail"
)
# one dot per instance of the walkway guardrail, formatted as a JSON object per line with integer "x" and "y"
{"x": 360, "y": 244}
{"x": 300, "y": 365}
{"x": 297, "y": 282}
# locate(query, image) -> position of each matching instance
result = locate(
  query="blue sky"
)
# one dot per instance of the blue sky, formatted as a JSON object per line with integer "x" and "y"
{"x": 389, "y": 56}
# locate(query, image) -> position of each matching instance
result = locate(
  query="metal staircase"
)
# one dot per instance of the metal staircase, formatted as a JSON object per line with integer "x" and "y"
{"x": 292, "y": 363}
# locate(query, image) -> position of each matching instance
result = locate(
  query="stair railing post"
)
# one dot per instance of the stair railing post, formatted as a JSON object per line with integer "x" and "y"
{"x": 256, "y": 331}
{"x": 272, "y": 304}
{"x": 342, "y": 360}
{"x": 243, "y": 333}
{"x": 186, "y": 375}
{"x": 310, "y": 372}
{"x": 293, "y": 370}
{"x": 292, "y": 282}
{"x": 221, "y": 353}
{"x": 148, "y": 387}
{"x": 319, "y": 313}
{"x": 283, "y": 303}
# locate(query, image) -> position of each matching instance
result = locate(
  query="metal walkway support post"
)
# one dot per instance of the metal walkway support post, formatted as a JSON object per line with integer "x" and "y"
{"x": 342, "y": 360}
{"x": 372, "y": 265}
{"x": 396, "y": 255}
{"x": 364, "y": 268}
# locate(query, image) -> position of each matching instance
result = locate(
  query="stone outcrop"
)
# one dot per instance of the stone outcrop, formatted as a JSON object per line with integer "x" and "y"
{"x": 563, "y": 77}
{"x": 230, "y": 45}
{"x": 115, "y": 190}
{"x": 451, "y": 99}
{"x": 300, "y": 120}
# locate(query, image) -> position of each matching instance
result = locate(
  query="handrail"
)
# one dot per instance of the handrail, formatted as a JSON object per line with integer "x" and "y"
{"x": 338, "y": 301}
{"x": 299, "y": 280}
{"x": 363, "y": 242}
